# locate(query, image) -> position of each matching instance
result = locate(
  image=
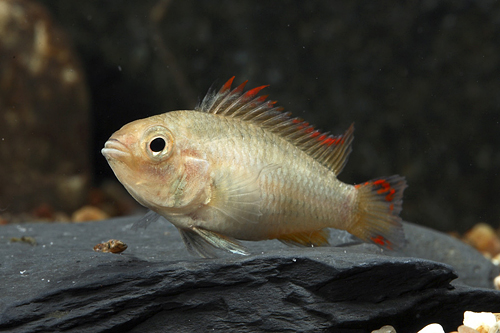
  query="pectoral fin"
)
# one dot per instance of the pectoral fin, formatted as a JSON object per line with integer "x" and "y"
{"x": 238, "y": 194}
{"x": 188, "y": 188}
{"x": 146, "y": 220}
{"x": 203, "y": 242}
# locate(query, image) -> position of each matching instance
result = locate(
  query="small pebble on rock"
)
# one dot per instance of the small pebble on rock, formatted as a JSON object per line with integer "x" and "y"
{"x": 432, "y": 328}
{"x": 385, "y": 329}
{"x": 111, "y": 246}
{"x": 496, "y": 260}
{"x": 24, "y": 239}
{"x": 466, "y": 329}
{"x": 496, "y": 282}
{"x": 480, "y": 321}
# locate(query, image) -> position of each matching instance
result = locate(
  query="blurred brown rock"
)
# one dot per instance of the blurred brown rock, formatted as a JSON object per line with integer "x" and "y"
{"x": 89, "y": 213}
{"x": 484, "y": 238}
{"x": 44, "y": 110}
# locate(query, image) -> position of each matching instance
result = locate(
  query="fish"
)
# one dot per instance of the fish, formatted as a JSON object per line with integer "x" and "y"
{"x": 239, "y": 167}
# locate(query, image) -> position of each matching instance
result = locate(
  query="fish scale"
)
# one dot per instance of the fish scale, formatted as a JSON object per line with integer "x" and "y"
{"x": 239, "y": 168}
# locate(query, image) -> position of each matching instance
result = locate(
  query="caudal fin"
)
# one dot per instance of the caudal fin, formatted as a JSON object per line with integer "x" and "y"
{"x": 377, "y": 215}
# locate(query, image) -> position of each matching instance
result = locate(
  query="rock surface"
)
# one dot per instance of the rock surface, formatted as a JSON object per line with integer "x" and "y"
{"x": 60, "y": 284}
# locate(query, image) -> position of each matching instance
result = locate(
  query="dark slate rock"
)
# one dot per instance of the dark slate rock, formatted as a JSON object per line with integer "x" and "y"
{"x": 469, "y": 264}
{"x": 156, "y": 286}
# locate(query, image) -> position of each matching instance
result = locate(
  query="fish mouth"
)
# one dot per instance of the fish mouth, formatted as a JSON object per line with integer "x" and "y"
{"x": 114, "y": 149}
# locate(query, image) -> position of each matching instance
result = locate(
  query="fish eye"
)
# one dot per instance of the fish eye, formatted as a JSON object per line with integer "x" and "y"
{"x": 157, "y": 145}
{"x": 157, "y": 142}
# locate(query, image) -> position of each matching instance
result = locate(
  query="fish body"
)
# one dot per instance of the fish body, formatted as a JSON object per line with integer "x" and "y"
{"x": 239, "y": 168}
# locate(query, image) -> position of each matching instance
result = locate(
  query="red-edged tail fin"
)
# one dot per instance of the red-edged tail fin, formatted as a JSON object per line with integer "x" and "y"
{"x": 378, "y": 221}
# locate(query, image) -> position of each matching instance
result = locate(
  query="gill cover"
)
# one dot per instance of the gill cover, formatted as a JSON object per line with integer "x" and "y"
{"x": 177, "y": 180}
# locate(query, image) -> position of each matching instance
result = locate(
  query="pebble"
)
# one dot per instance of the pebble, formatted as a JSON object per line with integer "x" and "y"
{"x": 466, "y": 329}
{"x": 385, "y": 329}
{"x": 111, "y": 246}
{"x": 480, "y": 321}
{"x": 496, "y": 282}
{"x": 432, "y": 328}
{"x": 474, "y": 322}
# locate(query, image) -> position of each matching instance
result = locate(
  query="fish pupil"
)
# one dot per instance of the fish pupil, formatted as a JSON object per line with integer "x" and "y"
{"x": 157, "y": 145}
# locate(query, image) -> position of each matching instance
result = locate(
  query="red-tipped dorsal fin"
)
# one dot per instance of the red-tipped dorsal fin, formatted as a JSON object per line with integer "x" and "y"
{"x": 226, "y": 86}
{"x": 331, "y": 151}
{"x": 239, "y": 89}
{"x": 252, "y": 92}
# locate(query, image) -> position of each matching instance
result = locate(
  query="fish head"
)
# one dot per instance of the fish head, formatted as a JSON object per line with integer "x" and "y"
{"x": 144, "y": 157}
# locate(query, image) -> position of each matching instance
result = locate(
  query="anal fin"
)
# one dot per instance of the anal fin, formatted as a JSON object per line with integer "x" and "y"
{"x": 203, "y": 242}
{"x": 306, "y": 238}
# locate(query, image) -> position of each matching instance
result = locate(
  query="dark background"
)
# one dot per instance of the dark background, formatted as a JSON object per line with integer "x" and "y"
{"x": 420, "y": 79}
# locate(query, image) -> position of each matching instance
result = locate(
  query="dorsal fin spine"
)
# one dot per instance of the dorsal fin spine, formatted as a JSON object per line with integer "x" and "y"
{"x": 254, "y": 106}
{"x": 239, "y": 89}
{"x": 220, "y": 99}
{"x": 278, "y": 118}
{"x": 227, "y": 99}
{"x": 227, "y": 86}
{"x": 252, "y": 92}
{"x": 315, "y": 133}
{"x": 263, "y": 98}
{"x": 329, "y": 150}
{"x": 223, "y": 94}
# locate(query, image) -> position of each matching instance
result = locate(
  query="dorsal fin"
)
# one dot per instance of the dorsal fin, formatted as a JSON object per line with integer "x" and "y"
{"x": 330, "y": 150}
